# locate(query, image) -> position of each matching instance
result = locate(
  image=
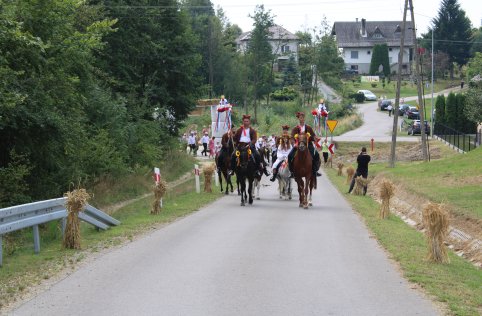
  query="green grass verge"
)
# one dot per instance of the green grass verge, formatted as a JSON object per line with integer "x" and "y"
{"x": 458, "y": 284}
{"x": 22, "y": 268}
{"x": 456, "y": 181}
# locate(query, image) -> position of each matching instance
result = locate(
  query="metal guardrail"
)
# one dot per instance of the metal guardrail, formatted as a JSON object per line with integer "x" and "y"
{"x": 33, "y": 214}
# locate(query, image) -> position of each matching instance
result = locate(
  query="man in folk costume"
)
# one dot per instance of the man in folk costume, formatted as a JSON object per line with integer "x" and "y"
{"x": 283, "y": 151}
{"x": 247, "y": 135}
{"x": 226, "y": 143}
{"x": 303, "y": 128}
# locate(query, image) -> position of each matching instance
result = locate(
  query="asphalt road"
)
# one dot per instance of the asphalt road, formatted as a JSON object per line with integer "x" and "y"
{"x": 378, "y": 125}
{"x": 271, "y": 258}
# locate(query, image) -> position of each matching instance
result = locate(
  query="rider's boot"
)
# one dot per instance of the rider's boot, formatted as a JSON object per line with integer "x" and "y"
{"x": 266, "y": 173}
{"x": 275, "y": 173}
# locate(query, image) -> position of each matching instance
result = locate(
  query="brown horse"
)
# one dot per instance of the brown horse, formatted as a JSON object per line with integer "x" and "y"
{"x": 225, "y": 166}
{"x": 302, "y": 167}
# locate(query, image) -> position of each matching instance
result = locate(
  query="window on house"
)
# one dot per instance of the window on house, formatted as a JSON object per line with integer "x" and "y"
{"x": 354, "y": 54}
{"x": 377, "y": 35}
{"x": 285, "y": 49}
{"x": 368, "y": 52}
{"x": 389, "y": 49}
{"x": 354, "y": 67}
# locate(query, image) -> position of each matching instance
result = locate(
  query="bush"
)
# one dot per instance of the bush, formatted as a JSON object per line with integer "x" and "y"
{"x": 285, "y": 94}
{"x": 358, "y": 97}
{"x": 374, "y": 85}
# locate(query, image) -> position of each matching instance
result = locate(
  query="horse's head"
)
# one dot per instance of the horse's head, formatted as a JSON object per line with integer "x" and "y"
{"x": 302, "y": 141}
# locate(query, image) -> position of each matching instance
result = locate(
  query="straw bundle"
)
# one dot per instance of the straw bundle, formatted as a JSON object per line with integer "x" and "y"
{"x": 387, "y": 190}
{"x": 160, "y": 189}
{"x": 360, "y": 183}
{"x": 208, "y": 172}
{"x": 76, "y": 201}
{"x": 340, "y": 168}
{"x": 350, "y": 171}
{"x": 436, "y": 222}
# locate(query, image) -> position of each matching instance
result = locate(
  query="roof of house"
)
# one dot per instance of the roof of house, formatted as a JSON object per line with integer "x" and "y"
{"x": 277, "y": 33}
{"x": 349, "y": 34}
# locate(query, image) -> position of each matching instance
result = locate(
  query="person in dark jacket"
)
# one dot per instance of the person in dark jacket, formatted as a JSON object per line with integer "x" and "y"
{"x": 363, "y": 160}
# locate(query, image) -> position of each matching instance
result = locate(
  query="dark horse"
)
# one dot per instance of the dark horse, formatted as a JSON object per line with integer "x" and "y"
{"x": 225, "y": 166}
{"x": 245, "y": 170}
{"x": 302, "y": 167}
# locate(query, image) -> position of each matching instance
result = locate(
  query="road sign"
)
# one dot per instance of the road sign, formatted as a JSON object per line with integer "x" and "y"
{"x": 331, "y": 125}
{"x": 332, "y": 148}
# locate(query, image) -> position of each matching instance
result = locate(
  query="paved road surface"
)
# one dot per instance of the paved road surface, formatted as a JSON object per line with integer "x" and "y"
{"x": 378, "y": 125}
{"x": 271, "y": 258}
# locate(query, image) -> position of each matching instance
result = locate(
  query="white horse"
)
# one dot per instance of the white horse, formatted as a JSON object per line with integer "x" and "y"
{"x": 284, "y": 181}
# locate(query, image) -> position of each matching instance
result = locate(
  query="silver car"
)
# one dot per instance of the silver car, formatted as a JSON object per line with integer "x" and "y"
{"x": 369, "y": 96}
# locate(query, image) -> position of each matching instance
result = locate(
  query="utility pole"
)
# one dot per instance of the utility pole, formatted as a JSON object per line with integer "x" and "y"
{"x": 419, "y": 89}
{"x": 433, "y": 105}
{"x": 399, "y": 83}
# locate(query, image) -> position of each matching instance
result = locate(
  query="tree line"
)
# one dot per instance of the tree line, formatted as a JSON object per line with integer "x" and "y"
{"x": 101, "y": 87}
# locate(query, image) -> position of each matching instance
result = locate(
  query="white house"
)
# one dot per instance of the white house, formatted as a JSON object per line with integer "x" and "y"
{"x": 357, "y": 39}
{"x": 283, "y": 43}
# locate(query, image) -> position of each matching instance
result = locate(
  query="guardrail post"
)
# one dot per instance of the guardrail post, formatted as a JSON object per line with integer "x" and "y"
{"x": 63, "y": 224}
{"x": 36, "y": 239}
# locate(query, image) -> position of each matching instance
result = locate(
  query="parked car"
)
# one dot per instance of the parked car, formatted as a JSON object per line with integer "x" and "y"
{"x": 412, "y": 113}
{"x": 384, "y": 104}
{"x": 402, "y": 109}
{"x": 369, "y": 96}
{"x": 415, "y": 128}
{"x": 351, "y": 71}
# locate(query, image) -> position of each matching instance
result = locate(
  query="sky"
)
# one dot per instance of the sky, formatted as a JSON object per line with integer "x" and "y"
{"x": 304, "y": 15}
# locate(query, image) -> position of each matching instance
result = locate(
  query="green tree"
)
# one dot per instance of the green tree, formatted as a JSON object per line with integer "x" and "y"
{"x": 329, "y": 63}
{"x": 474, "y": 66}
{"x": 440, "y": 116}
{"x": 452, "y": 33}
{"x": 259, "y": 55}
{"x": 290, "y": 73}
{"x": 152, "y": 62}
{"x": 380, "y": 58}
{"x": 473, "y": 108}
{"x": 476, "y": 41}
{"x": 451, "y": 110}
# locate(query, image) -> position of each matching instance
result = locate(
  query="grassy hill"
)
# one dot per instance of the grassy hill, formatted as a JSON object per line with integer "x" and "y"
{"x": 456, "y": 181}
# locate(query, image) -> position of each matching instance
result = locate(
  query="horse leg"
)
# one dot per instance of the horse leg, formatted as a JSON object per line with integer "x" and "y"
{"x": 300, "y": 183}
{"x": 250, "y": 190}
{"x": 305, "y": 200}
{"x": 230, "y": 183}
{"x": 258, "y": 185}
{"x": 289, "y": 189}
{"x": 220, "y": 175}
{"x": 243, "y": 190}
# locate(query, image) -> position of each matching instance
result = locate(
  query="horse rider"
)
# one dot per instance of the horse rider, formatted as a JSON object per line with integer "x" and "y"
{"x": 282, "y": 153}
{"x": 223, "y": 101}
{"x": 322, "y": 106}
{"x": 247, "y": 135}
{"x": 226, "y": 143}
{"x": 299, "y": 129}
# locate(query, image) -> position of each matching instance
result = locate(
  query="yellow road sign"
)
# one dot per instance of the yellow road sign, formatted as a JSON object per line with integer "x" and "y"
{"x": 331, "y": 125}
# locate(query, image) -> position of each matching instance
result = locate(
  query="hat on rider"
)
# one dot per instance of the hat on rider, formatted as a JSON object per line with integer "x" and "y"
{"x": 246, "y": 116}
{"x": 298, "y": 114}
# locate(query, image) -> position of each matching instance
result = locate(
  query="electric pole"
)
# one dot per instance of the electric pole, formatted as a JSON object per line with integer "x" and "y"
{"x": 397, "y": 97}
{"x": 419, "y": 88}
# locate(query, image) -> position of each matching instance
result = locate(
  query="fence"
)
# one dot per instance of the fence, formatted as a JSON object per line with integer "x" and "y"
{"x": 37, "y": 213}
{"x": 459, "y": 140}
